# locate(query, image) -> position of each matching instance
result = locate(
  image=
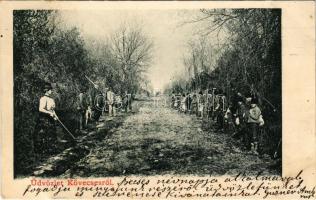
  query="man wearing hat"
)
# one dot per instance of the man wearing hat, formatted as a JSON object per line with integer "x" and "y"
{"x": 83, "y": 104}
{"x": 97, "y": 102}
{"x": 253, "y": 122}
{"x": 46, "y": 137}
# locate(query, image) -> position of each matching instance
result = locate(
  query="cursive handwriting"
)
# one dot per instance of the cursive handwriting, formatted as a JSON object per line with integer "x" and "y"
{"x": 241, "y": 185}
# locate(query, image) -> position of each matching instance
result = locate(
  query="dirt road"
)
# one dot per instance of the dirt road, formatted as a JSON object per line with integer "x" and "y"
{"x": 158, "y": 140}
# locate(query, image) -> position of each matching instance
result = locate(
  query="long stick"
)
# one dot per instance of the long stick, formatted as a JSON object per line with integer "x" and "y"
{"x": 262, "y": 97}
{"x": 213, "y": 99}
{"x": 276, "y": 151}
{"x": 65, "y": 127}
{"x": 207, "y": 104}
{"x": 90, "y": 80}
{"x": 268, "y": 102}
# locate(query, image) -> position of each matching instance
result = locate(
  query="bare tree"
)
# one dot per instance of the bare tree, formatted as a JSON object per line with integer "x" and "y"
{"x": 133, "y": 52}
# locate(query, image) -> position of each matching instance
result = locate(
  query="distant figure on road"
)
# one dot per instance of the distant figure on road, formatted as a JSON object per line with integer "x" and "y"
{"x": 188, "y": 102}
{"x": 127, "y": 101}
{"x": 219, "y": 108}
{"x": 82, "y": 108}
{"x": 201, "y": 102}
{"x": 240, "y": 122}
{"x": 110, "y": 99}
{"x": 183, "y": 103}
{"x": 97, "y": 99}
{"x": 118, "y": 104}
{"x": 173, "y": 99}
{"x": 209, "y": 102}
{"x": 194, "y": 104}
{"x": 156, "y": 99}
{"x": 130, "y": 99}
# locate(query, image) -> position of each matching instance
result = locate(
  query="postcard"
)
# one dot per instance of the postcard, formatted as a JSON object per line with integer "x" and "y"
{"x": 157, "y": 100}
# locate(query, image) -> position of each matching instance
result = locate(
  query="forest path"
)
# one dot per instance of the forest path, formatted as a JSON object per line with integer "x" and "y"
{"x": 159, "y": 140}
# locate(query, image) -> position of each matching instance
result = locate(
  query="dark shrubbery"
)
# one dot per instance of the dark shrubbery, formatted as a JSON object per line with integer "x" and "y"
{"x": 249, "y": 60}
{"x": 45, "y": 52}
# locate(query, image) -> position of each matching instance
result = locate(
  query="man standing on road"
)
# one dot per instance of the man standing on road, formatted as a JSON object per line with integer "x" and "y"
{"x": 183, "y": 106}
{"x": 209, "y": 104}
{"x": 125, "y": 101}
{"x": 240, "y": 122}
{"x": 129, "y": 98}
{"x": 110, "y": 99}
{"x": 201, "y": 103}
{"x": 220, "y": 109}
{"x": 117, "y": 104}
{"x": 45, "y": 141}
{"x": 82, "y": 108}
{"x": 97, "y": 100}
{"x": 173, "y": 99}
{"x": 234, "y": 103}
{"x": 254, "y": 121}
{"x": 188, "y": 102}
{"x": 194, "y": 104}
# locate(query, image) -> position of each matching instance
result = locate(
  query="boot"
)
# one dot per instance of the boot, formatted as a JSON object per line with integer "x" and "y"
{"x": 252, "y": 147}
{"x": 255, "y": 151}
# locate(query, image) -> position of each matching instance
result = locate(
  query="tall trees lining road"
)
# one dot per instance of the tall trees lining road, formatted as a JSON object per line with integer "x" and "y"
{"x": 248, "y": 58}
{"x": 122, "y": 59}
{"x": 240, "y": 48}
{"x": 46, "y": 51}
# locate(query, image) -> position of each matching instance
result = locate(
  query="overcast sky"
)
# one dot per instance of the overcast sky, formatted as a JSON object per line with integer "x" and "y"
{"x": 161, "y": 25}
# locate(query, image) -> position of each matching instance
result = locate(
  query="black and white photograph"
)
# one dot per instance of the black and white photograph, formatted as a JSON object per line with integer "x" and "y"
{"x": 146, "y": 92}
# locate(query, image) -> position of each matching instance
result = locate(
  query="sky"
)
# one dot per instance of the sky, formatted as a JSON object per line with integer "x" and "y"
{"x": 162, "y": 26}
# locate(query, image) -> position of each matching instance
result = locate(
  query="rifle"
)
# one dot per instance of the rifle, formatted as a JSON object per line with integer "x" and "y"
{"x": 95, "y": 86}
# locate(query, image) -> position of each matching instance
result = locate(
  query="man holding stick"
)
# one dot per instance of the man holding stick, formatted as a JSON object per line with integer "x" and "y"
{"x": 45, "y": 136}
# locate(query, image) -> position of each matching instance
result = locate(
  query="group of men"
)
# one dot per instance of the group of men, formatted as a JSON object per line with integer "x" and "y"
{"x": 241, "y": 113}
{"x": 91, "y": 104}
{"x": 94, "y": 102}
